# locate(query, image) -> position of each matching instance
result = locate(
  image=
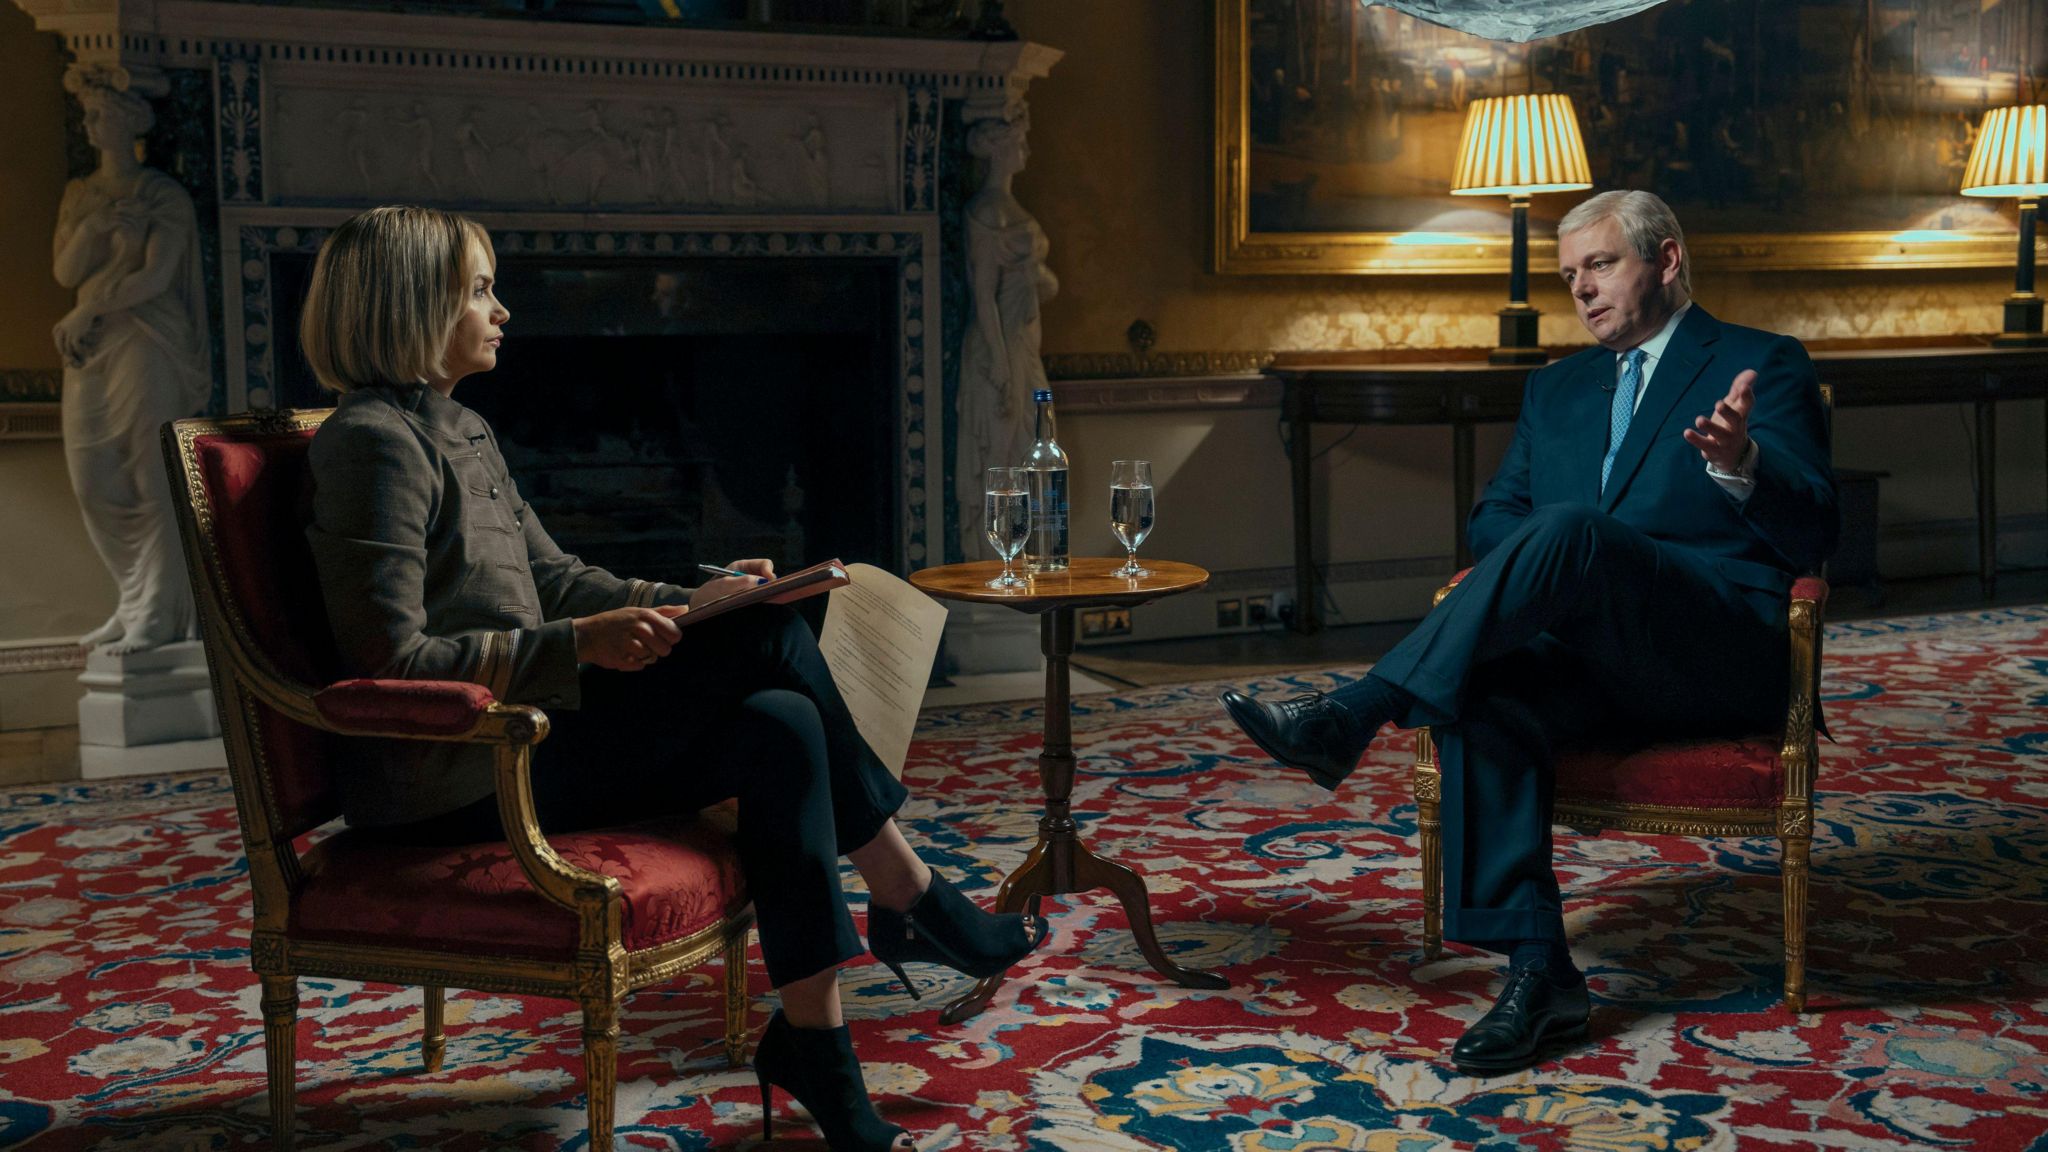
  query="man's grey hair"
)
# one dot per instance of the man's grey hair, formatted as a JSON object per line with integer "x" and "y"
{"x": 1646, "y": 223}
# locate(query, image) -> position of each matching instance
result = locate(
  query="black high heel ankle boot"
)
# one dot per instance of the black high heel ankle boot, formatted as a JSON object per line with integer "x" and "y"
{"x": 818, "y": 1067}
{"x": 945, "y": 927}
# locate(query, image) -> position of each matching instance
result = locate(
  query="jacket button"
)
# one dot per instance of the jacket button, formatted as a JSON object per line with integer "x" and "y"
{"x": 494, "y": 491}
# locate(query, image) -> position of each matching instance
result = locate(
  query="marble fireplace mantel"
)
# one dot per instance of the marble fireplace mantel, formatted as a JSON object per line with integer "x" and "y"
{"x": 603, "y": 140}
{"x": 141, "y": 34}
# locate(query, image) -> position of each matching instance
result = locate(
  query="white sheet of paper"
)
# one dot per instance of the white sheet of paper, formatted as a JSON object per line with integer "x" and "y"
{"x": 880, "y": 638}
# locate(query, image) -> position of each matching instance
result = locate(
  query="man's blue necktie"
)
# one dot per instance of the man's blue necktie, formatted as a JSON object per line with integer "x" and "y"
{"x": 1624, "y": 409}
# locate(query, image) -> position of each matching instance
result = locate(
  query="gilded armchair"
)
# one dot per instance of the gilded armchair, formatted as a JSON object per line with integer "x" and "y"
{"x": 586, "y": 917}
{"x": 1758, "y": 785}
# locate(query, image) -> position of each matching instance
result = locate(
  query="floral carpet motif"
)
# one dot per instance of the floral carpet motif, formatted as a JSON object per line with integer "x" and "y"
{"x": 128, "y": 1013}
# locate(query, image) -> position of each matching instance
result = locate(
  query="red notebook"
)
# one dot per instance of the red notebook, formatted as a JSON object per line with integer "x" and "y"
{"x": 781, "y": 590}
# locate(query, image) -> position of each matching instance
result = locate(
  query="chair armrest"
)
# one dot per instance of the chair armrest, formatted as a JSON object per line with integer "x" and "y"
{"x": 1446, "y": 589}
{"x": 457, "y": 710}
{"x": 593, "y": 896}
{"x": 1808, "y": 599}
{"x": 425, "y": 710}
{"x": 462, "y": 711}
{"x": 1812, "y": 589}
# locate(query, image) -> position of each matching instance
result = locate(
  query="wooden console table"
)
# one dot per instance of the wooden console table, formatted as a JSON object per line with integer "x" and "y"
{"x": 1321, "y": 389}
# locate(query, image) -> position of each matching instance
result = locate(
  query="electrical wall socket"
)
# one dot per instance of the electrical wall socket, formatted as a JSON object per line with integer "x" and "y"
{"x": 1283, "y": 608}
{"x": 1259, "y": 610}
{"x": 1101, "y": 623}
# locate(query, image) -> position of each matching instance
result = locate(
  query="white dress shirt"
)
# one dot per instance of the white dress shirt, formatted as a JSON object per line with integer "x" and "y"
{"x": 1739, "y": 483}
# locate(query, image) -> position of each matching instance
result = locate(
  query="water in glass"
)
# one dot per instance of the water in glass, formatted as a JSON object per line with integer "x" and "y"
{"x": 1007, "y": 519}
{"x": 1130, "y": 513}
{"x": 1130, "y": 510}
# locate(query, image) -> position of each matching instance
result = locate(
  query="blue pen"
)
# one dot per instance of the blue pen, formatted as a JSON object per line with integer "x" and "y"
{"x": 715, "y": 570}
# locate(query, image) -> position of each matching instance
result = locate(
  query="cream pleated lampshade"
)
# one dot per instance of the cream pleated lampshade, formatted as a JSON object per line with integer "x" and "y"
{"x": 1515, "y": 145}
{"x": 2010, "y": 157}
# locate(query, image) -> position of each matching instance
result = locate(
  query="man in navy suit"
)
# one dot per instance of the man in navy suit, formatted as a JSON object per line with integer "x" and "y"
{"x": 1634, "y": 552}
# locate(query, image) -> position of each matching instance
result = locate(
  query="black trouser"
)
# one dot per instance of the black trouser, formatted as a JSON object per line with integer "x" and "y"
{"x": 744, "y": 707}
{"x": 1576, "y": 626}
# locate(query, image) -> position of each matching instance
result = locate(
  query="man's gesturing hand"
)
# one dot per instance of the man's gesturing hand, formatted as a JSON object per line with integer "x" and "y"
{"x": 625, "y": 639}
{"x": 1723, "y": 437}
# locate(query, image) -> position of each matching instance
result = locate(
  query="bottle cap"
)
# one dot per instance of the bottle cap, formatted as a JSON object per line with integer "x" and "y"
{"x": 1040, "y": 395}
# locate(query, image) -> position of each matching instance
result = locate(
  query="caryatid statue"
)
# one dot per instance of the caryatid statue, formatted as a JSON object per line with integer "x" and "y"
{"x": 1000, "y": 365}
{"x": 136, "y": 353}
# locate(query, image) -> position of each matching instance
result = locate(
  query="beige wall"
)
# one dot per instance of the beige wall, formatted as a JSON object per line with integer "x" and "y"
{"x": 52, "y": 585}
{"x": 1120, "y": 177}
{"x": 31, "y": 182}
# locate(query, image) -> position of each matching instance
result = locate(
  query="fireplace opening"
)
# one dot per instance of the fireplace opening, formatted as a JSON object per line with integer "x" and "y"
{"x": 661, "y": 413}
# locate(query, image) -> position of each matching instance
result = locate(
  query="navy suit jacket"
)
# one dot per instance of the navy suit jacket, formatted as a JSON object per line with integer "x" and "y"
{"x": 1659, "y": 484}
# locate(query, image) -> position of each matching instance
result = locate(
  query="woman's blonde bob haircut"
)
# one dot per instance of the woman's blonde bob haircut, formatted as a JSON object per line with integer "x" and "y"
{"x": 388, "y": 289}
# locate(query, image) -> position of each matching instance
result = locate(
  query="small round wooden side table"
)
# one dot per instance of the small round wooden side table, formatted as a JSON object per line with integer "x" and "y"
{"x": 1059, "y": 863}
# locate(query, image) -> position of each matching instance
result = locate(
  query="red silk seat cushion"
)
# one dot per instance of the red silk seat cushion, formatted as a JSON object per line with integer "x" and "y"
{"x": 1681, "y": 774}
{"x": 678, "y": 877}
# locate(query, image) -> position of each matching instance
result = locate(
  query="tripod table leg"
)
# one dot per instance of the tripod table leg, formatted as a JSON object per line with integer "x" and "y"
{"x": 1020, "y": 892}
{"x": 1094, "y": 872}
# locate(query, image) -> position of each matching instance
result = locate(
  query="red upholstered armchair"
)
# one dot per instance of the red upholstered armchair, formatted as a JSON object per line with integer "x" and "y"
{"x": 1759, "y": 785}
{"x": 587, "y": 917}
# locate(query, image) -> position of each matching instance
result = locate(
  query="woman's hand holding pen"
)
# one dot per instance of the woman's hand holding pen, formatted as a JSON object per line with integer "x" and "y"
{"x": 735, "y": 577}
{"x": 626, "y": 639}
{"x": 629, "y": 639}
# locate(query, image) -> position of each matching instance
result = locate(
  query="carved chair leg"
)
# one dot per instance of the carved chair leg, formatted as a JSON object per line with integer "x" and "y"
{"x": 433, "y": 1046}
{"x": 1428, "y": 803}
{"x": 601, "y": 1067}
{"x": 1796, "y": 850}
{"x": 280, "y": 1002}
{"x": 736, "y": 999}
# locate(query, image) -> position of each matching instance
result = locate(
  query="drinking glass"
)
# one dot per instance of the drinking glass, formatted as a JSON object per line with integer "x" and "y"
{"x": 1130, "y": 510}
{"x": 1007, "y": 516}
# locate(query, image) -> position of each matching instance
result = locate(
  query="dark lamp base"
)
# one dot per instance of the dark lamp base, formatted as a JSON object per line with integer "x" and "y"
{"x": 1518, "y": 337}
{"x": 2022, "y": 323}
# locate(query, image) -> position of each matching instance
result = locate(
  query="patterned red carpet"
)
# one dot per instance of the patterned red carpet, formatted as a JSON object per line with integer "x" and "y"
{"x": 128, "y": 1016}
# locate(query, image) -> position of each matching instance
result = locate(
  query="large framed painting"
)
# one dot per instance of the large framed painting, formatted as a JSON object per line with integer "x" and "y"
{"x": 1785, "y": 133}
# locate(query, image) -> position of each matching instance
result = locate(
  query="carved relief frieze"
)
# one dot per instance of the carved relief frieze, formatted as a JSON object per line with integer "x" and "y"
{"x": 678, "y": 152}
{"x": 921, "y": 149}
{"x": 30, "y": 385}
{"x": 238, "y": 103}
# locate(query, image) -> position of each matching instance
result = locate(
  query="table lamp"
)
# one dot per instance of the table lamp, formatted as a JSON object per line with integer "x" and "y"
{"x": 1515, "y": 146}
{"x": 2010, "y": 158}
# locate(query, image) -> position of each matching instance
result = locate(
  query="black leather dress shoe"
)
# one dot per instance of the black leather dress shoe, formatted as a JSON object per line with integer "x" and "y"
{"x": 1311, "y": 732}
{"x": 1531, "y": 1015}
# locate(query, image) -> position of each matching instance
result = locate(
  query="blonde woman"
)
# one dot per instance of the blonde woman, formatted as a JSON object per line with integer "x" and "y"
{"x": 433, "y": 567}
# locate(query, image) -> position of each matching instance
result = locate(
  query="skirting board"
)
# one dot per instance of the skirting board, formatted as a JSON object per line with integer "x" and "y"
{"x": 1949, "y": 547}
{"x": 103, "y": 762}
{"x": 1001, "y": 687}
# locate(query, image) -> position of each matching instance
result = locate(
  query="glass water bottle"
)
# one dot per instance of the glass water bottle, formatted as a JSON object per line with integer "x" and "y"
{"x": 1045, "y": 476}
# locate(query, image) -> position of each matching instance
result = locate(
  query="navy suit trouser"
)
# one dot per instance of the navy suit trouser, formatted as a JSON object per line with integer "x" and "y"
{"x": 1575, "y": 626}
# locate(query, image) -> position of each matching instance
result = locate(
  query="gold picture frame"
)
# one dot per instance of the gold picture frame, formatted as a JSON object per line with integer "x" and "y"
{"x": 1245, "y": 245}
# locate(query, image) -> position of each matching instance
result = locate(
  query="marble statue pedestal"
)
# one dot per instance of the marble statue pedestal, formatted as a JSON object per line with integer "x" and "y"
{"x": 148, "y": 712}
